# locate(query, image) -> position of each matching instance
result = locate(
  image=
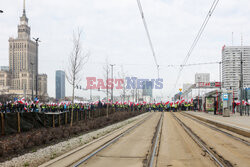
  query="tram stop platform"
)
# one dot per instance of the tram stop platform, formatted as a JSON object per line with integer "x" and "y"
{"x": 236, "y": 123}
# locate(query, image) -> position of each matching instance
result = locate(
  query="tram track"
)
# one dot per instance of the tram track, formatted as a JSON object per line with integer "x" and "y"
{"x": 152, "y": 158}
{"x": 217, "y": 129}
{"x": 218, "y": 159}
{"x": 91, "y": 153}
{"x": 148, "y": 161}
{"x": 88, "y": 154}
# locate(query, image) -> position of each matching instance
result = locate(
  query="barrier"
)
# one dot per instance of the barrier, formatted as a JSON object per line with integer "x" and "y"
{"x": 17, "y": 122}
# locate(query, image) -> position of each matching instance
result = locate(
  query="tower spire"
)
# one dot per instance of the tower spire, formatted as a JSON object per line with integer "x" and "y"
{"x": 23, "y": 7}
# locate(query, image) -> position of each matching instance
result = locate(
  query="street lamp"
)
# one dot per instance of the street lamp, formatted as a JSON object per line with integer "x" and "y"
{"x": 37, "y": 40}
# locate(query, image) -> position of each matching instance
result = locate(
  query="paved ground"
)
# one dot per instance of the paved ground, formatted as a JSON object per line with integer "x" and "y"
{"x": 234, "y": 119}
{"x": 230, "y": 149}
{"x": 75, "y": 155}
{"x": 177, "y": 148}
{"x": 130, "y": 150}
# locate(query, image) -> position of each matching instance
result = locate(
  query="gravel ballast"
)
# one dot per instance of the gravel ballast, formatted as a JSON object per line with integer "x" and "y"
{"x": 43, "y": 155}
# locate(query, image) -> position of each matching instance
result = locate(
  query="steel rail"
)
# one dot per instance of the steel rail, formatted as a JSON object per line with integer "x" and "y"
{"x": 93, "y": 142}
{"x": 110, "y": 142}
{"x": 217, "y": 129}
{"x": 200, "y": 142}
{"x": 159, "y": 126}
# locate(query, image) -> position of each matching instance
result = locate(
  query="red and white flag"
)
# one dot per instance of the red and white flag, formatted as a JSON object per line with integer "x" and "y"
{"x": 22, "y": 100}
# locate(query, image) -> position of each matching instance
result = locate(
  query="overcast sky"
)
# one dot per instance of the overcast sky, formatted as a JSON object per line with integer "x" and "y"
{"x": 113, "y": 29}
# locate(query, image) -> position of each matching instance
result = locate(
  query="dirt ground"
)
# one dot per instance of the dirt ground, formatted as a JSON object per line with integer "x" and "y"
{"x": 18, "y": 144}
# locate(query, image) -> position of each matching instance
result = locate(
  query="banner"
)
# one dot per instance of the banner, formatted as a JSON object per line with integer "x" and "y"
{"x": 210, "y": 104}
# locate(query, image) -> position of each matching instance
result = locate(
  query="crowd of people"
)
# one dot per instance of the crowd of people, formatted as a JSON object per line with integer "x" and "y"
{"x": 22, "y": 106}
{"x": 36, "y": 106}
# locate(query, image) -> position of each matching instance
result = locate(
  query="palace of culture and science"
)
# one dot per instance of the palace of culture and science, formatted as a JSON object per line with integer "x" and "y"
{"x": 20, "y": 77}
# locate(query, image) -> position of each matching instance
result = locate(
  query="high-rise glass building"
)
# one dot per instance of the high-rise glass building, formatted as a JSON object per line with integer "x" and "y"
{"x": 60, "y": 84}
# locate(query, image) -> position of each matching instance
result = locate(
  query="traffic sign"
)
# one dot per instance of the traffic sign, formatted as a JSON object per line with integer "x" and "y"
{"x": 225, "y": 97}
{"x": 180, "y": 89}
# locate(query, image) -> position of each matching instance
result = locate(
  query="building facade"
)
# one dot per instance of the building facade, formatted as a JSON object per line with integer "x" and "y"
{"x": 42, "y": 85}
{"x": 23, "y": 64}
{"x": 186, "y": 86}
{"x": 231, "y": 67}
{"x": 22, "y": 57}
{"x": 4, "y": 68}
{"x": 202, "y": 77}
{"x": 4, "y": 80}
{"x": 60, "y": 84}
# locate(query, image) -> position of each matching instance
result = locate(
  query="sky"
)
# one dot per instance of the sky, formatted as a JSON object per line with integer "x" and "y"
{"x": 113, "y": 32}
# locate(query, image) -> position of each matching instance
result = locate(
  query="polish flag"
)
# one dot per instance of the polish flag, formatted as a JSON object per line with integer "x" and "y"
{"x": 22, "y": 100}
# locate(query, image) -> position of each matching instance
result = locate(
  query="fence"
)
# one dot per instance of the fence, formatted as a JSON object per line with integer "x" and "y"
{"x": 16, "y": 122}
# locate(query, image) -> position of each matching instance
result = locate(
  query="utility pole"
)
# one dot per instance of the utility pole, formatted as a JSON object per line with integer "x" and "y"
{"x": 219, "y": 99}
{"x": 36, "y": 40}
{"x": 112, "y": 96}
{"x": 241, "y": 82}
{"x": 241, "y": 76}
{"x": 32, "y": 92}
{"x": 90, "y": 95}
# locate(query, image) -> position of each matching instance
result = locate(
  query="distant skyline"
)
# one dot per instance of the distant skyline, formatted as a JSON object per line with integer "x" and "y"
{"x": 114, "y": 29}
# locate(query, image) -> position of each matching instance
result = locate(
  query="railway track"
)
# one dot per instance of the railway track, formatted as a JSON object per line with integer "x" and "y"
{"x": 219, "y": 160}
{"x": 155, "y": 143}
{"x": 217, "y": 129}
{"x": 86, "y": 153}
{"x": 152, "y": 154}
{"x": 95, "y": 151}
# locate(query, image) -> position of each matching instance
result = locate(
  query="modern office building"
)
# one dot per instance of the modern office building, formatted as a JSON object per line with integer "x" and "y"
{"x": 60, "y": 84}
{"x": 147, "y": 91}
{"x": 202, "y": 77}
{"x": 147, "y": 88}
{"x": 231, "y": 67}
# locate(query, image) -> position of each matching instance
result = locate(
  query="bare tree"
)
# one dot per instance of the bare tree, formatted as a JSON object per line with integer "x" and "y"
{"x": 124, "y": 91}
{"x": 77, "y": 60}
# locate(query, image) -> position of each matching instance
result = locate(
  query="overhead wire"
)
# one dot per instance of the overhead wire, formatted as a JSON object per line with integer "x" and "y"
{"x": 203, "y": 26}
{"x": 148, "y": 34}
{"x": 162, "y": 65}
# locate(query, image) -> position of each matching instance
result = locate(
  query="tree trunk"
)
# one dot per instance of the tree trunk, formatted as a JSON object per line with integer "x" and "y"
{"x": 73, "y": 99}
